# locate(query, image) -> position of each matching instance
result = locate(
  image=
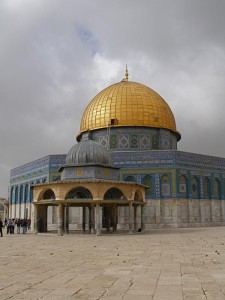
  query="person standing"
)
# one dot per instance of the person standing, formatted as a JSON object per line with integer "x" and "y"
{"x": 24, "y": 225}
{"x": 18, "y": 223}
{"x": 1, "y": 226}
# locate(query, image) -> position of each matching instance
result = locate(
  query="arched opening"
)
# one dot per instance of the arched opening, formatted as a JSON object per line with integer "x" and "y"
{"x": 165, "y": 185}
{"x": 114, "y": 194}
{"x": 11, "y": 195}
{"x": 21, "y": 195}
{"x": 49, "y": 195}
{"x": 16, "y": 195}
{"x": 26, "y": 200}
{"x": 195, "y": 188}
{"x": 110, "y": 212}
{"x": 79, "y": 193}
{"x": 148, "y": 181}
{"x": 183, "y": 190}
{"x": 138, "y": 196}
{"x": 206, "y": 188}
{"x": 217, "y": 188}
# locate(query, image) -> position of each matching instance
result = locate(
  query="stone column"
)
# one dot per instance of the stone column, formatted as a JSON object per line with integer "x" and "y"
{"x": 142, "y": 218}
{"x": 60, "y": 219}
{"x": 35, "y": 221}
{"x": 114, "y": 218}
{"x": 135, "y": 218}
{"x": 97, "y": 221}
{"x": 83, "y": 218}
{"x": 63, "y": 218}
{"x": 89, "y": 219}
{"x": 66, "y": 219}
{"x": 93, "y": 219}
{"x": 130, "y": 217}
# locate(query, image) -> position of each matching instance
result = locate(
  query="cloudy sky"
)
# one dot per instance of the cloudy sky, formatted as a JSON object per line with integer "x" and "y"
{"x": 56, "y": 55}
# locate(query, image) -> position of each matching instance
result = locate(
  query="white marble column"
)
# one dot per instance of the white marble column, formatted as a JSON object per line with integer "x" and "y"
{"x": 130, "y": 217}
{"x": 35, "y": 223}
{"x": 83, "y": 218}
{"x": 142, "y": 218}
{"x": 60, "y": 219}
{"x": 66, "y": 219}
{"x": 135, "y": 218}
{"x": 97, "y": 220}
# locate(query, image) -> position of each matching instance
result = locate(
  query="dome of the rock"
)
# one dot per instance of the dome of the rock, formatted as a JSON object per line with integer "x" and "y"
{"x": 130, "y": 104}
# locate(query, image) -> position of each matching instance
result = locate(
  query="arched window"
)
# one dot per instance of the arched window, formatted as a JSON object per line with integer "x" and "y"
{"x": 21, "y": 194}
{"x": 165, "y": 186}
{"x": 49, "y": 194}
{"x": 147, "y": 180}
{"x": 114, "y": 194}
{"x": 16, "y": 195}
{"x": 26, "y": 199}
{"x": 130, "y": 178}
{"x": 216, "y": 188}
{"x": 79, "y": 193}
{"x": 183, "y": 186}
{"x": 11, "y": 195}
{"x": 206, "y": 188}
{"x": 195, "y": 190}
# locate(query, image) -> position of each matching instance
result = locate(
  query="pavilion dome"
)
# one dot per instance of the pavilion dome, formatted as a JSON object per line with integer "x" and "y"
{"x": 130, "y": 104}
{"x": 88, "y": 152}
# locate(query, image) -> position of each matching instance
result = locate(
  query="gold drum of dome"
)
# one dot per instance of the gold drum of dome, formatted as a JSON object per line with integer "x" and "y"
{"x": 130, "y": 104}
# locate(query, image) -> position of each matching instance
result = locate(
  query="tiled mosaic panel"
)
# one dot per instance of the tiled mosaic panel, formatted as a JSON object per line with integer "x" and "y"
{"x": 145, "y": 141}
{"x": 136, "y": 138}
{"x": 123, "y": 141}
{"x": 90, "y": 172}
{"x": 134, "y": 141}
{"x": 113, "y": 141}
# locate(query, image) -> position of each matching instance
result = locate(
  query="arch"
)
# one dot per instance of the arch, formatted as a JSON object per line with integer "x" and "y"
{"x": 148, "y": 181}
{"x": 206, "y": 188}
{"x": 138, "y": 196}
{"x": 130, "y": 178}
{"x": 79, "y": 193}
{"x": 21, "y": 194}
{"x": 16, "y": 195}
{"x": 195, "y": 188}
{"x": 26, "y": 192}
{"x": 11, "y": 195}
{"x": 183, "y": 190}
{"x": 165, "y": 185}
{"x": 114, "y": 194}
{"x": 217, "y": 188}
{"x": 48, "y": 194}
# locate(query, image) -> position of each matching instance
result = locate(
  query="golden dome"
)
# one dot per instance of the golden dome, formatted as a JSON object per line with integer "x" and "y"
{"x": 128, "y": 103}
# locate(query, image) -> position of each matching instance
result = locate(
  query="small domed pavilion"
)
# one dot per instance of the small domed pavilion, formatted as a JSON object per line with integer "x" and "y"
{"x": 88, "y": 181}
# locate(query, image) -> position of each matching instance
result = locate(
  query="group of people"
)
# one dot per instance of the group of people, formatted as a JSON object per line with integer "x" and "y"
{"x": 10, "y": 224}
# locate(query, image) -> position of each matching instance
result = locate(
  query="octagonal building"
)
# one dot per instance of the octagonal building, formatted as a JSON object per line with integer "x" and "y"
{"x": 138, "y": 129}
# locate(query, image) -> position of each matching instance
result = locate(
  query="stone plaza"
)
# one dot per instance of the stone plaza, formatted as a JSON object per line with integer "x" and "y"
{"x": 181, "y": 263}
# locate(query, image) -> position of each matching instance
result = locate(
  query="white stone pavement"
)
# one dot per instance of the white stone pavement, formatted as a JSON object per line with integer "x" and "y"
{"x": 158, "y": 264}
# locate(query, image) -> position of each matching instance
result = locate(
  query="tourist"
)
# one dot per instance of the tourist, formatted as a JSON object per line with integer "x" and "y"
{"x": 9, "y": 226}
{"x": 13, "y": 225}
{"x": 28, "y": 224}
{"x": 18, "y": 223}
{"x": 1, "y": 226}
{"x": 24, "y": 225}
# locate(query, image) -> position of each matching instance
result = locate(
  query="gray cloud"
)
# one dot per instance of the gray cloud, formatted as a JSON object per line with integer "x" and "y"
{"x": 56, "y": 56}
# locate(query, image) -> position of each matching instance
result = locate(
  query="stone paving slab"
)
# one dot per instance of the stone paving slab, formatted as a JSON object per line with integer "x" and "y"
{"x": 159, "y": 264}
